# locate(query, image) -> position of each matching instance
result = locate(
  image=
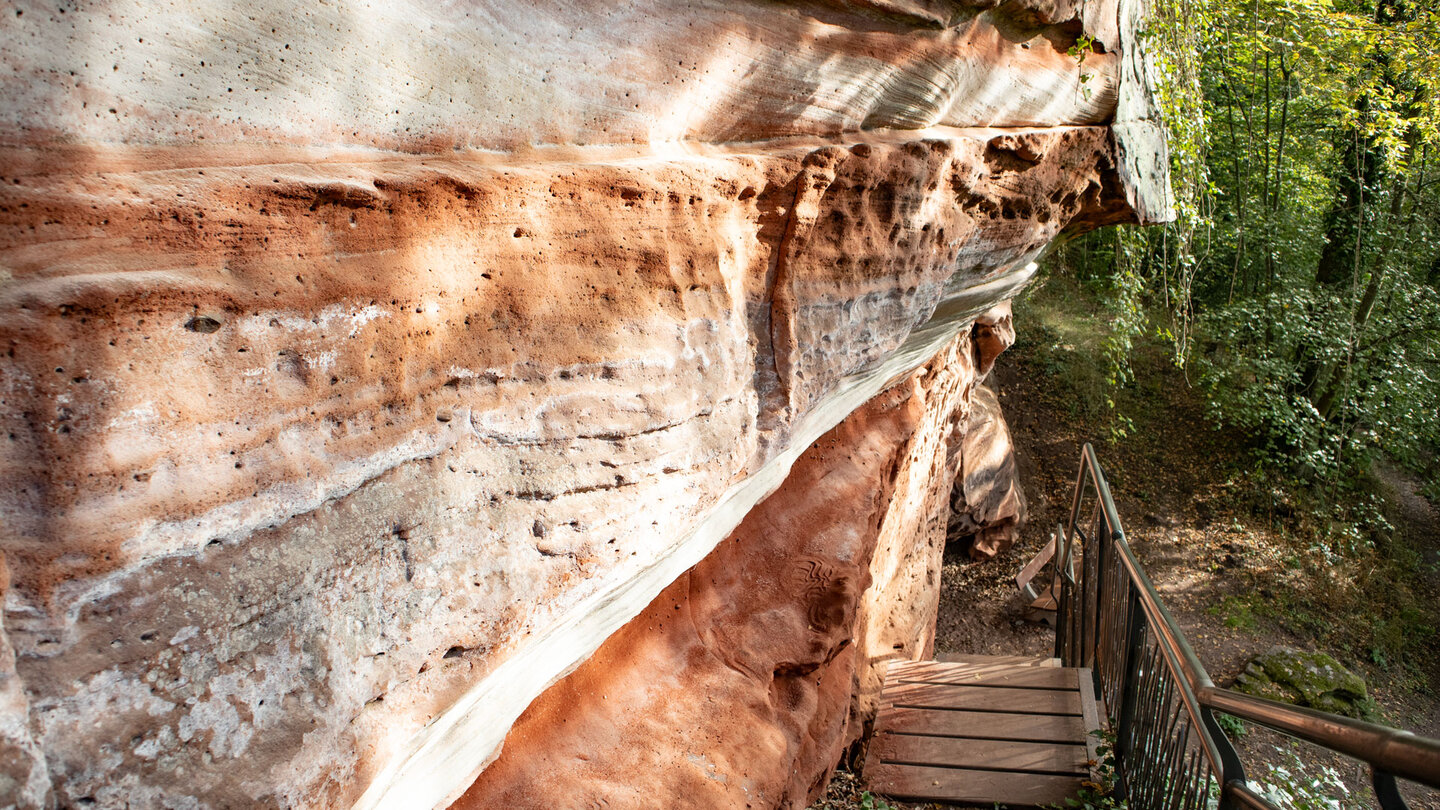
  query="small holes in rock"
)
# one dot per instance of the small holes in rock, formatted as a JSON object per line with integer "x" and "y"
{"x": 454, "y": 652}
{"x": 204, "y": 324}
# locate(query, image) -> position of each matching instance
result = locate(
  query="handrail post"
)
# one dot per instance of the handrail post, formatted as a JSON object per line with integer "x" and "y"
{"x": 1062, "y": 615}
{"x": 1231, "y": 768}
{"x": 1134, "y": 649}
{"x": 1175, "y": 753}
{"x": 1102, "y": 562}
{"x": 1061, "y": 562}
{"x": 1386, "y": 791}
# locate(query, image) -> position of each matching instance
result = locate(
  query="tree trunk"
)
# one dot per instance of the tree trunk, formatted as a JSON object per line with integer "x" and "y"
{"x": 1343, "y": 221}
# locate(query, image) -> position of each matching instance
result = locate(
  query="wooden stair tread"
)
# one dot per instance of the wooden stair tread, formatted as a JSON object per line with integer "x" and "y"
{"x": 987, "y": 725}
{"x": 1013, "y": 660}
{"x": 957, "y": 785}
{"x": 1061, "y": 759}
{"x": 982, "y": 698}
{"x": 1003, "y": 675}
{"x": 983, "y": 729}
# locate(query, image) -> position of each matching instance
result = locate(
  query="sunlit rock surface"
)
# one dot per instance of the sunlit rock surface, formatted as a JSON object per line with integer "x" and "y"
{"x": 987, "y": 505}
{"x": 744, "y": 681}
{"x": 363, "y": 368}
{"x": 733, "y": 687}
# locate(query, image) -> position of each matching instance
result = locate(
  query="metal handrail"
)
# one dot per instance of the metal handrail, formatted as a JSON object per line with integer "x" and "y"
{"x": 1164, "y": 718}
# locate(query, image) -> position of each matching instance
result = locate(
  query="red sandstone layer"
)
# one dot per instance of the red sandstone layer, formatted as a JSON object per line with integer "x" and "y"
{"x": 321, "y": 461}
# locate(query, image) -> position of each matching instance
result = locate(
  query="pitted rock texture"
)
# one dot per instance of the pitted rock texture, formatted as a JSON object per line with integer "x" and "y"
{"x": 734, "y": 687}
{"x": 23, "y": 778}
{"x": 994, "y": 333}
{"x": 898, "y": 611}
{"x": 378, "y": 422}
{"x": 362, "y": 367}
{"x": 425, "y": 76}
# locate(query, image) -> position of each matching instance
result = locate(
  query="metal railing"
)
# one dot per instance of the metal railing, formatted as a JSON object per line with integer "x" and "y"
{"x": 1169, "y": 749}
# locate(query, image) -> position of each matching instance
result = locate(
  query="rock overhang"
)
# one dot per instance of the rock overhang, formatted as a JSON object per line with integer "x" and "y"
{"x": 328, "y": 416}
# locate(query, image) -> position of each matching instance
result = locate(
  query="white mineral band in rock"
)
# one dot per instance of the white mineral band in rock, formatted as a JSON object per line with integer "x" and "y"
{"x": 441, "y": 761}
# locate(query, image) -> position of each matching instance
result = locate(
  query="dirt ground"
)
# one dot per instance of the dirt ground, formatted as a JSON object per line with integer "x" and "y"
{"x": 1222, "y": 564}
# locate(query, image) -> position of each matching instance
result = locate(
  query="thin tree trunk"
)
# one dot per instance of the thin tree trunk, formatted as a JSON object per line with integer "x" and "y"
{"x": 1277, "y": 203}
{"x": 1343, "y": 223}
{"x": 1230, "y": 102}
{"x": 1340, "y": 379}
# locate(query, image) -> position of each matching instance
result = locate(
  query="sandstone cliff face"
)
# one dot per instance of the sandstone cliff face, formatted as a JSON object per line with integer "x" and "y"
{"x": 987, "y": 504}
{"x": 743, "y": 682}
{"x": 733, "y": 686}
{"x": 362, "y": 369}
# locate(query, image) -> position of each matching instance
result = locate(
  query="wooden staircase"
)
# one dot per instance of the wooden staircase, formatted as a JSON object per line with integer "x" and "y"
{"x": 992, "y": 730}
{"x": 983, "y": 729}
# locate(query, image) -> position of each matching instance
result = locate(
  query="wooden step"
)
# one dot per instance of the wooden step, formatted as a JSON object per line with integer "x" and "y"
{"x": 1060, "y": 759}
{"x": 958, "y": 786}
{"x": 999, "y": 660}
{"x": 1011, "y": 730}
{"x": 1013, "y": 676}
{"x": 989, "y": 725}
{"x": 982, "y": 698}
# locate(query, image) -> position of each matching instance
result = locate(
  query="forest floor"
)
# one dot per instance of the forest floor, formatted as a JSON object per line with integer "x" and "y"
{"x": 1233, "y": 564}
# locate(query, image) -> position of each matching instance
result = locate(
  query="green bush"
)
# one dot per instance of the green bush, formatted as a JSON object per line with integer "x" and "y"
{"x": 1294, "y": 786}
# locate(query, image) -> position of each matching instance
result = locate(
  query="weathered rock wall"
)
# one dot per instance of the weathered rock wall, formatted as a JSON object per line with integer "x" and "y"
{"x": 427, "y": 76}
{"x": 342, "y": 482}
{"x": 987, "y": 505}
{"x": 362, "y": 369}
{"x": 743, "y": 682}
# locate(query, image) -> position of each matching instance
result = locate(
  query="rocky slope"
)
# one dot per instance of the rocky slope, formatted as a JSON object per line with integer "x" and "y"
{"x": 363, "y": 369}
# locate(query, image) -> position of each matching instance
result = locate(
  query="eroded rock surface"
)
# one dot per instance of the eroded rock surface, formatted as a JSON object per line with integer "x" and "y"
{"x": 426, "y": 76}
{"x": 742, "y": 683}
{"x": 734, "y": 685}
{"x": 374, "y": 463}
{"x": 987, "y": 504}
{"x": 363, "y": 368}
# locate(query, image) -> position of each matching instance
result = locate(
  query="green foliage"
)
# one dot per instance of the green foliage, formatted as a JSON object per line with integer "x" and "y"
{"x": 1301, "y": 279}
{"x": 1291, "y": 785}
{"x": 1083, "y": 47}
{"x": 1069, "y": 332}
{"x": 1127, "y": 322}
{"x": 1237, "y": 612}
{"x": 1396, "y": 634}
{"x": 1233, "y": 726}
{"x": 1091, "y": 347}
{"x": 1100, "y": 793}
{"x": 1176, "y": 35}
{"x": 1298, "y": 290}
{"x": 869, "y": 801}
